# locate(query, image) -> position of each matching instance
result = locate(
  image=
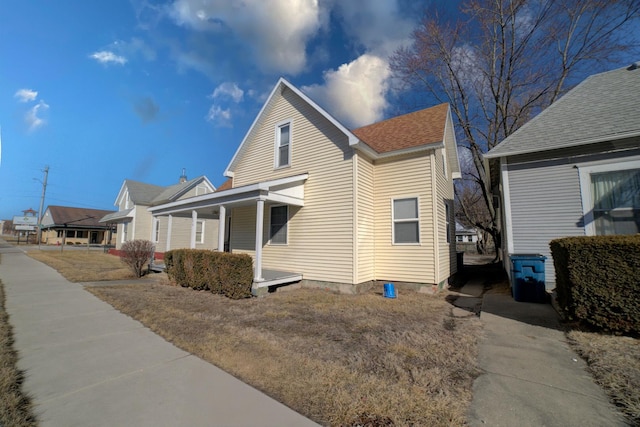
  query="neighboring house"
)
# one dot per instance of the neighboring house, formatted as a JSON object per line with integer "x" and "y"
{"x": 310, "y": 199}
{"x": 73, "y": 226}
{"x": 573, "y": 170}
{"x": 134, "y": 221}
{"x": 466, "y": 234}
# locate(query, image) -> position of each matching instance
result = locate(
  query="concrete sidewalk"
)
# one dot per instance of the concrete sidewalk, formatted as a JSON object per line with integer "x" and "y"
{"x": 531, "y": 377}
{"x": 87, "y": 364}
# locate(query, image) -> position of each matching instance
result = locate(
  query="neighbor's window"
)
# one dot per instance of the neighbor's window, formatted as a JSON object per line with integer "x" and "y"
{"x": 200, "y": 232}
{"x": 283, "y": 145}
{"x": 156, "y": 237}
{"x": 460, "y": 239}
{"x": 71, "y": 233}
{"x": 406, "y": 223}
{"x": 125, "y": 228}
{"x": 278, "y": 225}
{"x": 616, "y": 201}
{"x": 201, "y": 189}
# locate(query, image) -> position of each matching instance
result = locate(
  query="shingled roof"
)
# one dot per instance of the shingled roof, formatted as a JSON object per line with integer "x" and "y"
{"x": 407, "y": 131}
{"x": 604, "y": 107}
{"x": 149, "y": 194}
{"x": 76, "y": 217}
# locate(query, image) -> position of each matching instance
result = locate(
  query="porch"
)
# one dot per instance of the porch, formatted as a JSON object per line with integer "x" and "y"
{"x": 276, "y": 277}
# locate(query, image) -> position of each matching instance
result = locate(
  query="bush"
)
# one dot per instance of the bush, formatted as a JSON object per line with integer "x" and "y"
{"x": 135, "y": 254}
{"x": 219, "y": 272}
{"x": 597, "y": 280}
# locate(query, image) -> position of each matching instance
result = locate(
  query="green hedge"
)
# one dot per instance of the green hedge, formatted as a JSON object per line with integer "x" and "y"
{"x": 219, "y": 272}
{"x": 598, "y": 280}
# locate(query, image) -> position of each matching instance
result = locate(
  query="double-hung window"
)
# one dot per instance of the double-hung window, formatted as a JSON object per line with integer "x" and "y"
{"x": 611, "y": 198}
{"x": 278, "y": 225}
{"x": 156, "y": 224}
{"x": 200, "y": 232}
{"x": 406, "y": 221}
{"x": 283, "y": 145}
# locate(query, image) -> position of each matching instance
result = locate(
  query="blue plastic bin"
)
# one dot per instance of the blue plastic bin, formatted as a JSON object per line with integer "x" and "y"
{"x": 389, "y": 290}
{"x": 527, "y": 278}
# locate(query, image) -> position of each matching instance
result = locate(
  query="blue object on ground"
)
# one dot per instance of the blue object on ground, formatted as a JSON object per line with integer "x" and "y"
{"x": 527, "y": 278}
{"x": 389, "y": 290}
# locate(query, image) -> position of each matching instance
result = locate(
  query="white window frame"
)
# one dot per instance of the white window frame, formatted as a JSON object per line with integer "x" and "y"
{"x": 444, "y": 163}
{"x": 201, "y": 189}
{"x": 276, "y": 160}
{"x": 394, "y": 221}
{"x": 125, "y": 231}
{"x": 585, "y": 171}
{"x": 287, "y": 225}
{"x": 201, "y": 240}
{"x": 447, "y": 221}
{"x": 156, "y": 236}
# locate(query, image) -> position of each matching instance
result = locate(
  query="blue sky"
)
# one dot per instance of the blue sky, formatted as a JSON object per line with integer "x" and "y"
{"x": 106, "y": 90}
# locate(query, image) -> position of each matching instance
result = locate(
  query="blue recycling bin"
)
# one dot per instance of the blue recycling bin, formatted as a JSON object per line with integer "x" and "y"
{"x": 527, "y": 278}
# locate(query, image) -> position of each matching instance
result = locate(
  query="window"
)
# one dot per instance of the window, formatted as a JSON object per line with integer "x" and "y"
{"x": 156, "y": 237}
{"x": 447, "y": 221}
{"x": 278, "y": 225}
{"x": 71, "y": 233}
{"x": 460, "y": 239}
{"x": 616, "y": 201}
{"x": 406, "y": 223}
{"x": 444, "y": 163}
{"x": 200, "y": 232}
{"x": 125, "y": 227}
{"x": 611, "y": 197}
{"x": 201, "y": 189}
{"x": 283, "y": 145}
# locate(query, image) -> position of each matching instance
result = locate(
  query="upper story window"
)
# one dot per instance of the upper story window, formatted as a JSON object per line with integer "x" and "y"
{"x": 283, "y": 144}
{"x": 406, "y": 221}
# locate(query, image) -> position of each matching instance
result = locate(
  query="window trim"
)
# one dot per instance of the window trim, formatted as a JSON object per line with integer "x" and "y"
{"x": 278, "y": 134}
{"x": 585, "y": 171}
{"x": 200, "y": 221}
{"x": 125, "y": 231}
{"x": 156, "y": 236}
{"x": 447, "y": 221}
{"x": 287, "y": 225}
{"x": 394, "y": 221}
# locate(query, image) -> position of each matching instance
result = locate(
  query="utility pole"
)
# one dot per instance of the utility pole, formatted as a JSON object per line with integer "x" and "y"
{"x": 44, "y": 190}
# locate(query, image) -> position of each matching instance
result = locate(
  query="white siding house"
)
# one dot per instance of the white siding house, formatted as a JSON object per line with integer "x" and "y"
{"x": 573, "y": 170}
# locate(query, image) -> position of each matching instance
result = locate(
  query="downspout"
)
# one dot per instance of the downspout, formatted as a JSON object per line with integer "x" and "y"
{"x": 436, "y": 228}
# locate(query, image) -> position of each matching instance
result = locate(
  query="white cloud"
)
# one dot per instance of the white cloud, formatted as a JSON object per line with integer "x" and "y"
{"x": 219, "y": 116}
{"x": 277, "y": 31}
{"x": 228, "y": 89}
{"x": 26, "y": 95}
{"x": 355, "y": 92}
{"x": 107, "y": 57}
{"x": 32, "y": 117}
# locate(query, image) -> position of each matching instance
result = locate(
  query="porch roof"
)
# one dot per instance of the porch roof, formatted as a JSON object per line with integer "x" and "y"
{"x": 289, "y": 190}
{"x": 119, "y": 216}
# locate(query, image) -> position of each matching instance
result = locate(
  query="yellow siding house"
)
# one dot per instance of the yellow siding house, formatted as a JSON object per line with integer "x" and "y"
{"x": 313, "y": 201}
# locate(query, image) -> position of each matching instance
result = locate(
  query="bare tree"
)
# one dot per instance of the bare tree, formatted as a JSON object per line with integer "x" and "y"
{"x": 503, "y": 62}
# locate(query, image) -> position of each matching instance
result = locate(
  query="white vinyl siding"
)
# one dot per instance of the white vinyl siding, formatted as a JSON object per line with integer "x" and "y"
{"x": 320, "y": 234}
{"x": 181, "y": 233}
{"x": 408, "y": 263}
{"x": 365, "y": 215}
{"x": 406, "y": 221}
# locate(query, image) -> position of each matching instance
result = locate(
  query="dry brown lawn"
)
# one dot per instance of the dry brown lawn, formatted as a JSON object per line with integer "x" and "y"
{"x": 614, "y": 362}
{"x": 338, "y": 359}
{"x": 84, "y": 266}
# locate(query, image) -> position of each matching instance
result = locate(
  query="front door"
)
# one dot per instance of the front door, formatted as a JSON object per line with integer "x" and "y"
{"x": 94, "y": 237}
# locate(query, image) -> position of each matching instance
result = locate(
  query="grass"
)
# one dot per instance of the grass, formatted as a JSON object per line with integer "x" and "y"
{"x": 614, "y": 362}
{"x": 338, "y": 359}
{"x": 84, "y": 266}
{"x": 15, "y": 405}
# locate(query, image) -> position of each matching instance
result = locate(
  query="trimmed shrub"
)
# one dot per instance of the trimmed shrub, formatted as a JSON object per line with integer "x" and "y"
{"x": 598, "y": 280}
{"x": 219, "y": 272}
{"x": 135, "y": 254}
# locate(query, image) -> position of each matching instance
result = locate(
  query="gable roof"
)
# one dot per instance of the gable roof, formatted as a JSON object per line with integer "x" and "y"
{"x": 604, "y": 107}
{"x": 76, "y": 217}
{"x": 410, "y": 131}
{"x": 226, "y": 185}
{"x": 407, "y": 131}
{"x": 149, "y": 194}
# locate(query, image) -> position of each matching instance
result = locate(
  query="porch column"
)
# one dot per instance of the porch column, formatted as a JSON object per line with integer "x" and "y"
{"x": 194, "y": 221}
{"x": 222, "y": 222}
{"x": 169, "y": 224}
{"x": 257, "y": 275}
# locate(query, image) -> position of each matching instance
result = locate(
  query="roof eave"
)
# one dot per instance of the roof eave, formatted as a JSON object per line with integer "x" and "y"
{"x": 576, "y": 143}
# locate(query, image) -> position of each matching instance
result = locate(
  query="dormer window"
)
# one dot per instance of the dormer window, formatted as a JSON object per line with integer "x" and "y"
{"x": 283, "y": 144}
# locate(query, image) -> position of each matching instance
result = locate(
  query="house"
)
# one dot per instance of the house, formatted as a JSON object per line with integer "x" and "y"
{"x": 311, "y": 200}
{"x": 574, "y": 170}
{"x": 68, "y": 225}
{"x": 134, "y": 221}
